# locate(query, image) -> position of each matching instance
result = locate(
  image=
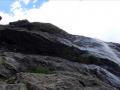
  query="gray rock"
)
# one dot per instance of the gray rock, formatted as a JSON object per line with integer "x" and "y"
{"x": 12, "y": 87}
{"x": 61, "y": 81}
{"x": 51, "y": 52}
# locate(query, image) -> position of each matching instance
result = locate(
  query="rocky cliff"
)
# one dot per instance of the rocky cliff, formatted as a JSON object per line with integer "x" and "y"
{"x": 41, "y": 56}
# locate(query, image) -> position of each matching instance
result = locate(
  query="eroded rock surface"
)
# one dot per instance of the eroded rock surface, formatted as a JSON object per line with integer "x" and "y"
{"x": 41, "y": 56}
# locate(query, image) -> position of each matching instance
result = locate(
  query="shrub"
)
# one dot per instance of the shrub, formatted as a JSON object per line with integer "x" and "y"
{"x": 40, "y": 69}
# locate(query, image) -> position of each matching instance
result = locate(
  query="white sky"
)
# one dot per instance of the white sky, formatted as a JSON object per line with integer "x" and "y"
{"x": 97, "y": 19}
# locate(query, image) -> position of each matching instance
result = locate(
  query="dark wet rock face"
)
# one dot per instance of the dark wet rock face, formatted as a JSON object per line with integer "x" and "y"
{"x": 41, "y": 56}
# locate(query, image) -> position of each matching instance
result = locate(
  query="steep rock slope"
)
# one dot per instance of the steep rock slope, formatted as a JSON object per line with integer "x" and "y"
{"x": 33, "y": 53}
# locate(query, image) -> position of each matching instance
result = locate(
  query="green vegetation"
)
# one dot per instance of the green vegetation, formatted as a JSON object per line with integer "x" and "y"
{"x": 40, "y": 69}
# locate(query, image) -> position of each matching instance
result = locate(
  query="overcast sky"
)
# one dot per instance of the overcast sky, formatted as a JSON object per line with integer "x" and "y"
{"x": 98, "y": 19}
